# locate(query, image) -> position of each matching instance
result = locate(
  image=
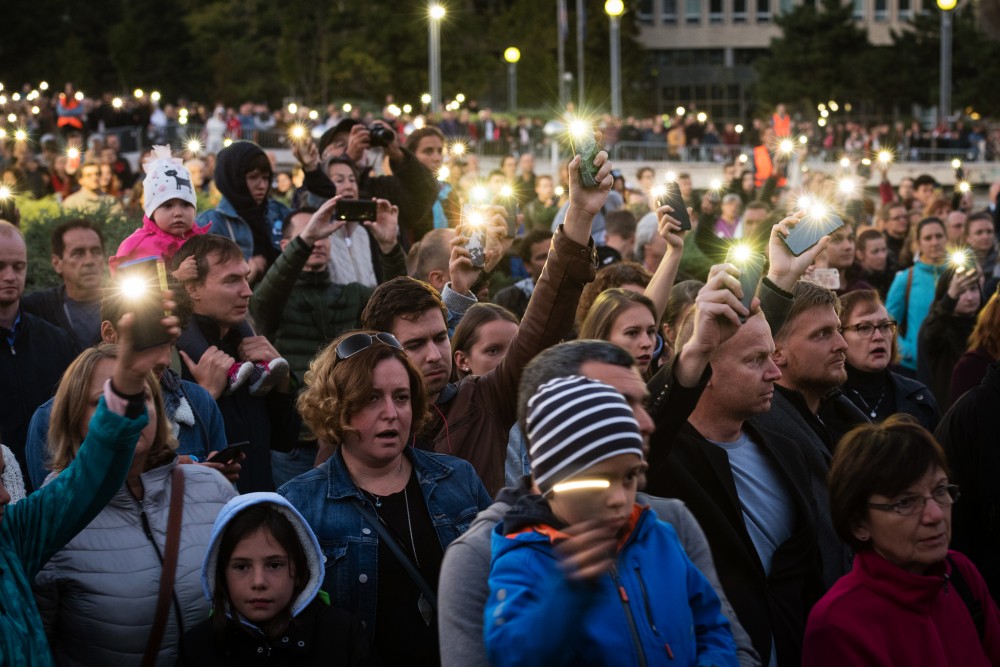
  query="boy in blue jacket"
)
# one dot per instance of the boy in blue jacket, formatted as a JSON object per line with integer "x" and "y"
{"x": 581, "y": 575}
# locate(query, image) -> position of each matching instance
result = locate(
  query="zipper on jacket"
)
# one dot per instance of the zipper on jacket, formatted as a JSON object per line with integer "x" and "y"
{"x": 645, "y": 601}
{"x": 632, "y": 629}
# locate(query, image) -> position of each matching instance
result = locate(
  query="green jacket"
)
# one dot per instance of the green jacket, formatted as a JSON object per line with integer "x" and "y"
{"x": 301, "y": 311}
{"x": 34, "y": 529}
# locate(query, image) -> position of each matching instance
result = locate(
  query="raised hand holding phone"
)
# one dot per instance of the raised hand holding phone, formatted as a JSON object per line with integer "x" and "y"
{"x": 586, "y": 144}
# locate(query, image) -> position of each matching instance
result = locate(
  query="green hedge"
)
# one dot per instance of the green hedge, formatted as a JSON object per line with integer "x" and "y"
{"x": 38, "y": 219}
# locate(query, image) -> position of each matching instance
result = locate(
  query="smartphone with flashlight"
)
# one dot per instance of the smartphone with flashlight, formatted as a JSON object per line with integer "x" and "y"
{"x": 141, "y": 283}
{"x": 672, "y": 197}
{"x": 813, "y": 226}
{"x": 585, "y": 145}
{"x": 473, "y": 227}
{"x": 356, "y": 210}
{"x": 751, "y": 266}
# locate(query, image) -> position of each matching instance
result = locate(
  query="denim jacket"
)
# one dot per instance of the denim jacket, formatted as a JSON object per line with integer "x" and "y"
{"x": 225, "y": 221}
{"x": 325, "y": 496}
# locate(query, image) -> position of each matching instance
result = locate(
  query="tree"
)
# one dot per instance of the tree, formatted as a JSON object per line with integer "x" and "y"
{"x": 817, "y": 58}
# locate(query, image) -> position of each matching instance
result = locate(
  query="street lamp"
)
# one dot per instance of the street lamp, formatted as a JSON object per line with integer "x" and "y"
{"x": 614, "y": 10}
{"x": 944, "y": 99}
{"x": 436, "y": 13}
{"x": 512, "y": 55}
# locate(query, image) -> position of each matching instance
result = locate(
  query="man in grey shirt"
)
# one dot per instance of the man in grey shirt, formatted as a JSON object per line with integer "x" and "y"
{"x": 464, "y": 588}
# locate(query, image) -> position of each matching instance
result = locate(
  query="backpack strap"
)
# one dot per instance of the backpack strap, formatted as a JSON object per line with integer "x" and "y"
{"x": 906, "y": 301}
{"x": 974, "y": 605}
{"x": 169, "y": 570}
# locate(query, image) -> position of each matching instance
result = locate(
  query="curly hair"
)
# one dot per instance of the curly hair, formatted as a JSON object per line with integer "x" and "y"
{"x": 337, "y": 389}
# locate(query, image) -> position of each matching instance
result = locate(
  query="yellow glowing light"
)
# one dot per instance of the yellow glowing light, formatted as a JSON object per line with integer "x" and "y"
{"x": 394, "y": 110}
{"x": 579, "y": 129}
{"x": 581, "y": 485}
{"x": 155, "y": 96}
{"x": 3, "y": 100}
{"x": 818, "y": 210}
{"x": 506, "y": 191}
{"x": 475, "y": 219}
{"x": 193, "y": 146}
{"x": 821, "y": 122}
{"x": 313, "y": 115}
{"x": 72, "y": 152}
{"x": 33, "y": 95}
{"x": 137, "y": 93}
{"x": 946, "y": 5}
{"x": 35, "y": 110}
{"x": 866, "y": 161}
{"x": 183, "y": 111}
{"x": 959, "y": 259}
{"x": 821, "y": 107}
{"x": 845, "y": 162}
{"x": 786, "y": 146}
{"x": 741, "y": 252}
{"x": 227, "y": 142}
{"x": 297, "y": 132}
{"x": 833, "y": 105}
{"x": 702, "y": 116}
{"x": 4, "y": 192}
{"x": 744, "y": 158}
{"x": 1, "y": 86}
{"x": 956, "y": 164}
{"x": 407, "y": 108}
{"x": 847, "y": 186}
{"x": 437, "y": 12}
{"x": 715, "y": 184}
{"x": 803, "y": 139}
{"x": 20, "y": 135}
{"x": 460, "y": 98}
{"x": 293, "y": 108}
{"x": 12, "y": 118}
{"x": 347, "y": 107}
{"x": 964, "y": 187}
{"x": 425, "y": 98}
{"x": 824, "y": 113}
{"x": 479, "y": 193}
{"x": 512, "y": 54}
{"x": 657, "y": 191}
{"x": 418, "y": 122}
{"x": 738, "y": 128}
{"x": 805, "y": 202}
{"x": 3, "y": 133}
{"x": 183, "y": 120}
{"x": 614, "y": 7}
{"x": 117, "y": 103}
{"x": 444, "y": 173}
{"x": 458, "y": 148}
{"x": 884, "y": 157}
{"x": 44, "y": 85}
{"x": 681, "y": 111}
{"x": 670, "y": 176}
{"x": 560, "y": 191}
{"x": 132, "y": 287}
{"x": 16, "y": 97}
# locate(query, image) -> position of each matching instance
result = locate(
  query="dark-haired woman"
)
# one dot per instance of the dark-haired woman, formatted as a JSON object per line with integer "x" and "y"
{"x": 363, "y": 393}
{"x": 908, "y": 600}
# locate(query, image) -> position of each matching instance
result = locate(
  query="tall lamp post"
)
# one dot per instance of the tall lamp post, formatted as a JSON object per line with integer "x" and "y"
{"x": 944, "y": 99}
{"x": 436, "y": 13}
{"x": 614, "y": 10}
{"x": 512, "y": 54}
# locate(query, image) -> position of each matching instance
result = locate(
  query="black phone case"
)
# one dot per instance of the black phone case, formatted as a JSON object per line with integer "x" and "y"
{"x": 750, "y": 272}
{"x": 672, "y": 198}
{"x": 147, "y": 331}
{"x": 230, "y": 453}
{"x": 809, "y": 231}
{"x": 356, "y": 210}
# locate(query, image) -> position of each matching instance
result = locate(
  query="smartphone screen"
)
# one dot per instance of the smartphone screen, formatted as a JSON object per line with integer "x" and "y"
{"x": 751, "y": 266}
{"x": 356, "y": 210}
{"x": 141, "y": 283}
{"x": 672, "y": 198}
{"x": 810, "y": 230}
{"x": 473, "y": 227}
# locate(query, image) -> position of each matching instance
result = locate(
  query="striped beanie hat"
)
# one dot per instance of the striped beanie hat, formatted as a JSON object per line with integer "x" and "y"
{"x": 575, "y": 423}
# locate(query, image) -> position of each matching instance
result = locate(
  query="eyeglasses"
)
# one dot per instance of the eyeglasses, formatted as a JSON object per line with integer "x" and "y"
{"x": 361, "y": 341}
{"x": 867, "y": 329}
{"x": 944, "y": 495}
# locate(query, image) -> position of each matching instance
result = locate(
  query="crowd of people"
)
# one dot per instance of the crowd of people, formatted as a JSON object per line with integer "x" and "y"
{"x": 633, "y": 434}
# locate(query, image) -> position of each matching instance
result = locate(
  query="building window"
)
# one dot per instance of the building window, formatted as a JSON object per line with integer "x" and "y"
{"x": 859, "y": 10}
{"x": 881, "y": 10}
{"x": 905, "y": 10}
{"x": 763, "y": 11}
{"x": 715, "y": 11}
{"x": 786, "y": 6}
{"x": 669, "y": 15}
{"x": 739, "y": 11}
{"x": 644, "y": 12}
{"x": 692, "y": 11}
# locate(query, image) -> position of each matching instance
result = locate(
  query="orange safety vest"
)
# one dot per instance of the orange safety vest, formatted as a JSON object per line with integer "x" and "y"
{"x": 782, "y": 126}
{"x": 763, "y": 166}
{"x": 69, "y": 103}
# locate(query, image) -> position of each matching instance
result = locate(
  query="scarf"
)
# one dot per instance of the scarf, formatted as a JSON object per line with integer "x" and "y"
{"x": 231, "y": 179}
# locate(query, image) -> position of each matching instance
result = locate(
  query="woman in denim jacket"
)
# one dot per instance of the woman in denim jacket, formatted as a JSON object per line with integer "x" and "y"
{"x": 364, "y": 394}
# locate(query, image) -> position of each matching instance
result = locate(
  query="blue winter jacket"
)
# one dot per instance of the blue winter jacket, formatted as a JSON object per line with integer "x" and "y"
{"x": 225, "y": 221}
{"x": 914, "y": 310}
{"x": 654, "y": 608}
{"x": 325, "y": 497}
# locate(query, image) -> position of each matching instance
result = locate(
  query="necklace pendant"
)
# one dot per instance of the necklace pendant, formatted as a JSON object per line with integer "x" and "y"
{"x": 378, "y": 502}
{"x": 873, "y": 414}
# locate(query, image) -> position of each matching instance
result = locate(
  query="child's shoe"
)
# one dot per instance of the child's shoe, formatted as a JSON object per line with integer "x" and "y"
{"x": 239, "y": 373}
{"x": 266, "y": 375}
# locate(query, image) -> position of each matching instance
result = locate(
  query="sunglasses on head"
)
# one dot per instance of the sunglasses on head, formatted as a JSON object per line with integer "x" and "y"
{"x": 361, "y": 341}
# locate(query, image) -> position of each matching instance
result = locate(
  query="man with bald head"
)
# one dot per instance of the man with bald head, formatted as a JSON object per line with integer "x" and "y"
{"x": 36, "y": 352}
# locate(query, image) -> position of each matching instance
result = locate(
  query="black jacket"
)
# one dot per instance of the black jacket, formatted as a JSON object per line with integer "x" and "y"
{"x": 969, "y": 434}
{"x": 692, "y": 469}
{"x": 320, "y": 635}
{"x": 48, "y": 304}
{"x": 30, "y": 369}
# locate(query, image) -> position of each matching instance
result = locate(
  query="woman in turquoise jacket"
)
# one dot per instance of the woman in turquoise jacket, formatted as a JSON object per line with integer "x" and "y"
{"x": 35, "y": 528}
{"x": 912, "y": 291}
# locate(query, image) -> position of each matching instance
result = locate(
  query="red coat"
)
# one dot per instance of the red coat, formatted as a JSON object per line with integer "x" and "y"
{"x": 880, "y": 614}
